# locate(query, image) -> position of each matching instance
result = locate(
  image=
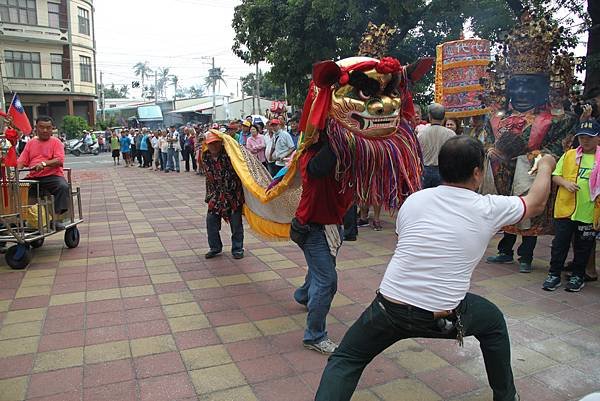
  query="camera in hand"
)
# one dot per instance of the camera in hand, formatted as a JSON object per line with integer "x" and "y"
{"x": 578, "y": 107}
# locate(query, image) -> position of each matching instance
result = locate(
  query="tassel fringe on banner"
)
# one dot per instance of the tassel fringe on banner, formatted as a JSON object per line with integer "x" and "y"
{"x": 385, "y": 171}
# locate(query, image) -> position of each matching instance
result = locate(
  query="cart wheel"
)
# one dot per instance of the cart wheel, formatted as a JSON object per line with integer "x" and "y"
{"x": 37, "y": 243}
{"x": 18, "y": 256}
{"x": 72, "y": 237}
{"x": 76, "y": 152}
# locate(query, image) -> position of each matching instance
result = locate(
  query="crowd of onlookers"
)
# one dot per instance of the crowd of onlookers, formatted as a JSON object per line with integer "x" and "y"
{"x": 158, "y": 150}
{"x": 165, "y": 150}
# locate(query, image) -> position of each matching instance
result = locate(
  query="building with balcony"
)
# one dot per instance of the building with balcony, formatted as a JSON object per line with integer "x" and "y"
{"x": 48, "y": 56}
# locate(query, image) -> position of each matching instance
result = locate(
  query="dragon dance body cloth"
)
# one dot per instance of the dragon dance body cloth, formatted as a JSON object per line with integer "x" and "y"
{"x": 362, "y": 105}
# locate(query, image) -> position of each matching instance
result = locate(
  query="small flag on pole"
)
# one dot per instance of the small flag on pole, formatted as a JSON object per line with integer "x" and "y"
{"x": 17, "y": 112}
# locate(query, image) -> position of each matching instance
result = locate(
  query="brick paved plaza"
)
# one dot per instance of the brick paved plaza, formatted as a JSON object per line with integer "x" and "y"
{"x": 137, "y": 313}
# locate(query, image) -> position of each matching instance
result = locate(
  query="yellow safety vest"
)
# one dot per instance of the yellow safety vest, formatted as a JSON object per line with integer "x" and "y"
{"x": 566, "y": 201}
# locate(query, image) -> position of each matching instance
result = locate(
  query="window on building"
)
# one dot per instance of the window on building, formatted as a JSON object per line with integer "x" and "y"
{"x": 85, "y": 64}
{"x": 18, "y": 11}
{"x": 22, "y": 64}
{"x": 53, "y": 15}
{"x": 84, "y": 21}
{"x": 56, "y": 64}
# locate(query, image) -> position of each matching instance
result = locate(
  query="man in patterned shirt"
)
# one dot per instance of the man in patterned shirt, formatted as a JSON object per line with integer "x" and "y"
{"x": 224, "y": 196}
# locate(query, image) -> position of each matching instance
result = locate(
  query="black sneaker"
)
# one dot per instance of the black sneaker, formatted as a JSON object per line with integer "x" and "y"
{"x": 238, "y": 254}
{"x": 500, "y": 258}
{"x": 525, "y": 267}
{"x": 211, "y": 254}
{"x": 551, "y": 283}
{"x": 58, "y": 225}
{"x": 575, "y": 284}
{"x": 363, "y": 223}
{"x": 586, "y": 278}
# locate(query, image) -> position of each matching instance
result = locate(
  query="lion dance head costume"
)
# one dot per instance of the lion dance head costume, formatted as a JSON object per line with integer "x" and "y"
{"x": 363, "y": 104}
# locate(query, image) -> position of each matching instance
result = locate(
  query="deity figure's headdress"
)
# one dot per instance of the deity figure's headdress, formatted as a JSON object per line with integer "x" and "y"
{"x": 535, "y": 46}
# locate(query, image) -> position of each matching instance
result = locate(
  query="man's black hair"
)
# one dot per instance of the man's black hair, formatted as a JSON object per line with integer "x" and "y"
{"x": 458, "y": 157}
{"x": 44, "y": 119}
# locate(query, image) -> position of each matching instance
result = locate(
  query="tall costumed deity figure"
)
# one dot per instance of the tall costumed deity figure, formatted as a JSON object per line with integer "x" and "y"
{"x": 529, "y": 81}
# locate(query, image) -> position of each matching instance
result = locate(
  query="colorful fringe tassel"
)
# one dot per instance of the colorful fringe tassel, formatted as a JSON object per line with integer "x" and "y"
{"x": 385, "y": 171}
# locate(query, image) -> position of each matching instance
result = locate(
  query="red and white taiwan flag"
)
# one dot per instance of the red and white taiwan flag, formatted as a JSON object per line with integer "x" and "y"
{"x": 17, "y": 112}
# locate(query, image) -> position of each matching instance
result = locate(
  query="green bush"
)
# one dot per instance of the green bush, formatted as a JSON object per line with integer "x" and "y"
{"x": 107, "y": 123}
{"x": 73, "y": 126}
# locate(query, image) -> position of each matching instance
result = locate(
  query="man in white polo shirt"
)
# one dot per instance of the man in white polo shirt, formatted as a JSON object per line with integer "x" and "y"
{"x": 424, "y": 290}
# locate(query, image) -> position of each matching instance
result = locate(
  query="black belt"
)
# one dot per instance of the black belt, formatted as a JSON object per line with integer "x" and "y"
{"x": 436, "y": 315}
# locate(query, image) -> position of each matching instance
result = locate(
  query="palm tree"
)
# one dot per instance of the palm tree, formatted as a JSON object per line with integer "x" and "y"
{"x": 163, "y": 77}
{"x": 143, "y": 71}
{"x": 175, "y": 81}
{"x": 124, "y": 90}
{"x": 215, "y": 78}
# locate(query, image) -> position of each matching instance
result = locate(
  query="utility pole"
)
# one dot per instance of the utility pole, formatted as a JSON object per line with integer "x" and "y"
{"x": 155, "y": 87}
{"x": 258, "y": 88}
{"x": 101, "y": 97}
{"x": 2, "y": 108}
{"x": 213, "y": 74}
{"x": 175, "y": 93}
{"x": 242, "y": 111}
{"x": 254, "y": 100}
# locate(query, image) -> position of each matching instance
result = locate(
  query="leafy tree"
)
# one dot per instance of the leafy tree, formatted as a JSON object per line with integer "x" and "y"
{"x": 109, "y": 122}
{"x": 592, "y": 76}
{"x": 196, "y": 91}
{"x": 112, "y": 92}
{"x": 150, "y": 92}
{"x": 142, "y": 70}
{"x": 74, "y": 126}
{"x": 293, "y": 34}
{"x": 268, "y": 89}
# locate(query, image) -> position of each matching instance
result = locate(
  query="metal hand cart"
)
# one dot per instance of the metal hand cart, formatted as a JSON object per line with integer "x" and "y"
{"x": 27, "y": 216}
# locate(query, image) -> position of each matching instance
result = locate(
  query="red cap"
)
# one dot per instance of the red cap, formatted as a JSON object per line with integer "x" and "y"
{"x": 212, "y": 137}
{"x": 274, "y": 122}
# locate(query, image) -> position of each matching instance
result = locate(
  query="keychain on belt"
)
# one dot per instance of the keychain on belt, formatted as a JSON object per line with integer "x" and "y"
{"x": 460, "y": 329}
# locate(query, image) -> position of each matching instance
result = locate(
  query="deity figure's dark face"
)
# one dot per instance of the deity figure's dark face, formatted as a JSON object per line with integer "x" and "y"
{"x": 527, "y": 91}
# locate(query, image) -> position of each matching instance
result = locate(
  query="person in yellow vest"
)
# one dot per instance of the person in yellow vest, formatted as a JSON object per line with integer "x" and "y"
{"x": 577, "y": 207}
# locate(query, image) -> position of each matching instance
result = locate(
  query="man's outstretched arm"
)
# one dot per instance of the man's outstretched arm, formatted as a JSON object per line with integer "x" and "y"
{"x": 536, "y": 198}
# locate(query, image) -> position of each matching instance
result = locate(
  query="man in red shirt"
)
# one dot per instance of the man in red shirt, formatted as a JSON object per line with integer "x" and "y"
{"x": 45, "y": 156}
{"x": 323, "y": 204}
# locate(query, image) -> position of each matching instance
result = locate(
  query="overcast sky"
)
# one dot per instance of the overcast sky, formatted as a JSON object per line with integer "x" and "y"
{"x": 180, "y": 34}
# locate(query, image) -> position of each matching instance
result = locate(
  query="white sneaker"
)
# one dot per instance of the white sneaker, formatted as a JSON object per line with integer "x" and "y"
{"x": 326, "y": 346}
